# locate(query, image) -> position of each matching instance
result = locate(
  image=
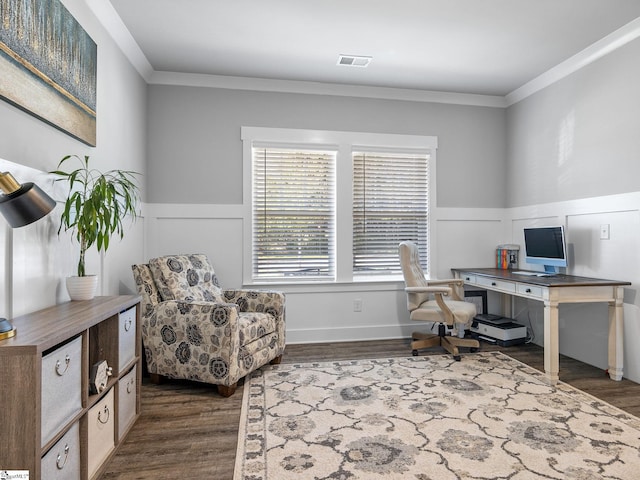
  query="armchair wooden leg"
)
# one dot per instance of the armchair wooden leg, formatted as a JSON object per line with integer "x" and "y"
{"x": 276, "y": 361}
{"x": 227, "y": 391}
{"x": 156, "y": 379}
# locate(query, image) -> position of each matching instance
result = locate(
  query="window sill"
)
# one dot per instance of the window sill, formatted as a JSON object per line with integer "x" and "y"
{"x": 357, "y": 285}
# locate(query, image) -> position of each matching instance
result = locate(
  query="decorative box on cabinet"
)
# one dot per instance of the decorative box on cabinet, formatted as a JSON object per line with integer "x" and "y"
{"x": 51, "y": 424}
{"x": 127, "y": 401}
{"x": 61, "y": 387}
{"x": 126, "y": 338}
{"x": 62, "y": 462}
{"x": 101, "y": 428}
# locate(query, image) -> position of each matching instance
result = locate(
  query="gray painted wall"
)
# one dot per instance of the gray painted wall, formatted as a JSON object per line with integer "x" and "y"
{"x": 579, "y": 137}
{"x": 121, "y": 110}
{"x": 195, "y": 153}
{"x": 38, "y": 253}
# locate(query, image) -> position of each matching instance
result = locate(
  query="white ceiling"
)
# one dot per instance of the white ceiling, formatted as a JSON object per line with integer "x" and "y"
{"x": 484, "y": 47}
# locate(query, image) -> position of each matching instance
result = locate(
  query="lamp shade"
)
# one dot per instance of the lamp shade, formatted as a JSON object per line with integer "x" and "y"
{"x": 25, "y": 205}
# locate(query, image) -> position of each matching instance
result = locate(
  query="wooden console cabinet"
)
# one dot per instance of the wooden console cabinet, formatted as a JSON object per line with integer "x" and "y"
{"x": 50, "y": 422}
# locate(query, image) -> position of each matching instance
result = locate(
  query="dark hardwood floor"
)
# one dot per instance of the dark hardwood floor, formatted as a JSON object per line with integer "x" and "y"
{"x": 187, "y": 430}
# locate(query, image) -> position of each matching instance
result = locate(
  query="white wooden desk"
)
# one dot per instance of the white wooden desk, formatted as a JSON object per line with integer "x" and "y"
{"x": 553, "y": 291}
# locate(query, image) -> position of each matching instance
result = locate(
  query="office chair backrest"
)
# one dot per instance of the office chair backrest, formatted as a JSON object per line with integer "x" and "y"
{"x": 413, "y": 274}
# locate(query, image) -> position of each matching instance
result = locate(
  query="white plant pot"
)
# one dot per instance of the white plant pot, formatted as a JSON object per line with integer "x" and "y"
{"x": 82, "y": 288}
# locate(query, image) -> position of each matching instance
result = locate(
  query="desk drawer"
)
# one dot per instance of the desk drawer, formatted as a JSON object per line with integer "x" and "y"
{"x": 530, "y": 290}
{"x": 468, "y": 278}
{"x": 494, "y": 284}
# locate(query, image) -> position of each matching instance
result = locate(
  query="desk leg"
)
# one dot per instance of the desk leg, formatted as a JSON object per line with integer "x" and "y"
{"x": 551, "y": 348}
{"x": 616, "y": 328}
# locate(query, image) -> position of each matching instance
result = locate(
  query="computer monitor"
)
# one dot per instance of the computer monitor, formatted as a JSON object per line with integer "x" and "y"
{"x": 546, "y": 246}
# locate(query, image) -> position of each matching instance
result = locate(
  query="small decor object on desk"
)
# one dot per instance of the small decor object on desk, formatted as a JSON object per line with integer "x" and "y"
{"x": 100, "y": 373}
{"x": 94, "y": 209}
{"x": 507, "y": 256}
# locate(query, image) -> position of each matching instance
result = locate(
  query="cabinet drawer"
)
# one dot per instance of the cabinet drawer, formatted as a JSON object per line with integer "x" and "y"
{"x": 127, "y": 395}
{"x": 61, "y": 387}
{"x": 100, "y": 442}
{"x": 492, "y": 283}
{"x": 126, "y": 337}
{"x": 530, "y": 291}
{"x": 62, "y": 462}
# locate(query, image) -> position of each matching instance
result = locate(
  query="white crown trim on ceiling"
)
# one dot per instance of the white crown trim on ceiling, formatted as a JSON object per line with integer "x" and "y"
{"x": 109, "y": 18}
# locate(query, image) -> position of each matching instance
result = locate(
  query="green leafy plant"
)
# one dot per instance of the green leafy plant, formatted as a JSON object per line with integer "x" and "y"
{"x": 96, "y": 204}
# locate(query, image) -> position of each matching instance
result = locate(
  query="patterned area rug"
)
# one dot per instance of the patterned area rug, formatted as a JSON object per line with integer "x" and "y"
{"x": 426, "y": 418}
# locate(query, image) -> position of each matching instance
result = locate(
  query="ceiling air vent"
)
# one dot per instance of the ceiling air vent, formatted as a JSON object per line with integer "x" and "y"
{"x": 353, "y": 60}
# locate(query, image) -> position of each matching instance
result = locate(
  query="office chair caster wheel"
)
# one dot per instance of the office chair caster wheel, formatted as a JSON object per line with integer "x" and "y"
{"x": 457, "y": 358}
{"x": 414, "y": 353}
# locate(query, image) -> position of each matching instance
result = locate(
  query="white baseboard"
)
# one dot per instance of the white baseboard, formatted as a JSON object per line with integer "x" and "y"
{"x": 349, "y": 334}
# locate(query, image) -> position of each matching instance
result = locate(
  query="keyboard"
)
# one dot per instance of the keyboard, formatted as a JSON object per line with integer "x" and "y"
{"x": 532, "y": 274}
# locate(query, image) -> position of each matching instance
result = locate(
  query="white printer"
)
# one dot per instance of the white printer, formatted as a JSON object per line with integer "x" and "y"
{"x": 498, "y": 330}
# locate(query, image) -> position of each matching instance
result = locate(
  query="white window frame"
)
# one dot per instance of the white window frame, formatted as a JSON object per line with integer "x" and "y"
{"x": 345, "y": 143}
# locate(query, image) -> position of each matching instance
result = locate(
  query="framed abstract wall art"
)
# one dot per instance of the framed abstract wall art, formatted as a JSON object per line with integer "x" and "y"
{"x": 48, "y": 66}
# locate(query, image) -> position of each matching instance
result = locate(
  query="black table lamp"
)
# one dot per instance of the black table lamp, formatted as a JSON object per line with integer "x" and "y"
{"x": 21, "y": 205}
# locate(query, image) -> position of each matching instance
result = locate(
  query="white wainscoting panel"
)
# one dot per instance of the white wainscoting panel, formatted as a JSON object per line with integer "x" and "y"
{"x": 322, "y": 313}
{"x": 462, "y": 238}
{"x": 468, "y": 242}
{"x": 219, "y": 238}
{"x": 584, "y": 327}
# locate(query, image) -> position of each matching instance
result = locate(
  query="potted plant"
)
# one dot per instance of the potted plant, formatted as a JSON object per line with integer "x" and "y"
{"x": 94, "y": 210}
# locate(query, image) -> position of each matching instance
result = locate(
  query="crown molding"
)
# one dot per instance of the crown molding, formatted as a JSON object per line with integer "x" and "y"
{"x": 107, "y": 15}
{"x": 317, "y": 88}
{"x": 113, "y": 24}
{"x": 602, "y": 47}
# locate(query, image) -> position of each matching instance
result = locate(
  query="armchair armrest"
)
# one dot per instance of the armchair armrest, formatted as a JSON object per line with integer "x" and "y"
{"x": 179, "y": 335}
{"x": 268, "y": 301}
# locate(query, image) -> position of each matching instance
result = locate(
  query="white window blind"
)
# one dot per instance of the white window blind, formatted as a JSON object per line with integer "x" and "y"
{"x": 293, "y": 213}
{"x": 390, "y": 205}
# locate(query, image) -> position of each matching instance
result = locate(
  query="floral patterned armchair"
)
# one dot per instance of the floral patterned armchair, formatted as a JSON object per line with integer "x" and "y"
{"x": 192, "y": 329}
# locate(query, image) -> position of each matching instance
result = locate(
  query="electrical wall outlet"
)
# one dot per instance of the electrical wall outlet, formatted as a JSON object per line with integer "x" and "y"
{"x": 604, "y": 231}
{"x": 357, "y": 305}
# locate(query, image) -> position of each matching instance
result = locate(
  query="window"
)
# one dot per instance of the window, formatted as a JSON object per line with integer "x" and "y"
{"x": 328, "y": 206}
{"x": 390, "y": 205}
{"x": 293, "y": 213}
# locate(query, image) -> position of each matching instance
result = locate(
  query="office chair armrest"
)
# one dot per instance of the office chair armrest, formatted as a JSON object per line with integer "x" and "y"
{"x": 456, "y": 284}
{"x": 448, "y": 314}
{"x": 434, "y": 290}
{"x": 438, "y": 293}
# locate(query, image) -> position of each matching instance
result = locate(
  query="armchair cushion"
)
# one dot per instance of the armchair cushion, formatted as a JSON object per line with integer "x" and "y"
{"x": 186, "y": 277}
